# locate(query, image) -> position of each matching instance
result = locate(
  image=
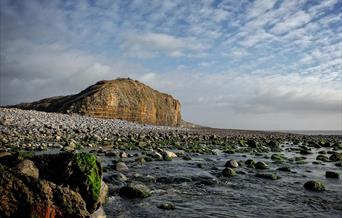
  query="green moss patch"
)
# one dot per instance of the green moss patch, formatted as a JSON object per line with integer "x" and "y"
{"x": 88, "y": 165}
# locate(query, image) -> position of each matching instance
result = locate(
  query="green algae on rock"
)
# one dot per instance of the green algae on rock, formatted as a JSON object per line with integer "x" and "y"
{"x": 89, "y": 166}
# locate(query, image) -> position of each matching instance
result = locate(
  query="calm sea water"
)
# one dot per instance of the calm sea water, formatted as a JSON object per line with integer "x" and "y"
{"x": 314, "y": 132}
{"x": 197, "y": 189}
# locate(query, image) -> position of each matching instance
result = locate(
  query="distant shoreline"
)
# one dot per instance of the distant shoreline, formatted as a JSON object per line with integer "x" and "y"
{"x": 313, "y": 132}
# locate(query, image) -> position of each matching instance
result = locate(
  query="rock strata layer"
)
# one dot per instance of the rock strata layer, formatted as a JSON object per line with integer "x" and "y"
{"x": 124, "y": 99}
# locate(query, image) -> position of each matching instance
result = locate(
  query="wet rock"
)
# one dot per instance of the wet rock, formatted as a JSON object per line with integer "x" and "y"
{"x": 121, "y": 167}
{"x": 186, "y": 157}
{"x": 332, "y": 174}
{"x": 285, "y": 169}
{"x": 323, "y": 158}
{"x": 135, "y": 190}
{"x": 274, "y": 146}
{"x": 336, "y": 157}
{"x": 305, "y": 151}
{"x": 169, "y": 154}
{"x": 155, "y": 155}
{"x": 261, "y": 165}
{"x": 167, "y": 206}
{"x": 252, "y": 143}
{"x": 338, "y": 164}
{"x": 250, "y": 163}
{"x": 141, "y": 160}
{"x": 28, "y": 168}
{"x": 314, "y": 186}
{"x": 232, "y": 164}
{"x": 270, "y": 176}
{"x": 277, "y": 157}
{"x": 85, "y": 175}
{"x": 25, "y": 196}
{"x": 228, "y": 172}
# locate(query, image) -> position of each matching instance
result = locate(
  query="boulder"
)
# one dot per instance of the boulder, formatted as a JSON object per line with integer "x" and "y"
{"x": 25, "y": 196}
{"x": 314, "y": 186}
{"x": 82, "y": 172}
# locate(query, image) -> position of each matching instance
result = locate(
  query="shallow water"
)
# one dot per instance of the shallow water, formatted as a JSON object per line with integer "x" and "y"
{"x": 202, "y": 192}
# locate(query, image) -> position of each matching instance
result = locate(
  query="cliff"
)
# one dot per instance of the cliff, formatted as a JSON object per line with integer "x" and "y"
{"x": 124, "y": 99}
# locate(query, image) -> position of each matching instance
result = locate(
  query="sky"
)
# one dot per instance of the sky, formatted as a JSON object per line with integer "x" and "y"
{"x": 264, "y": 64}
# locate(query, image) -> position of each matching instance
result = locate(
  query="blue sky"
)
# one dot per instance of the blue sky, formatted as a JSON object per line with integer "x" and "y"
{"x": 266, "y": 64}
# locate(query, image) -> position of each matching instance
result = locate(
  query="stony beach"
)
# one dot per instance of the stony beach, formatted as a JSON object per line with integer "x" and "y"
{"x": 158, "y": 171}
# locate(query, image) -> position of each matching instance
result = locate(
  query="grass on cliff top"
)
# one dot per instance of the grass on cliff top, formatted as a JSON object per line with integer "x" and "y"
{"x": 87, "y": 163}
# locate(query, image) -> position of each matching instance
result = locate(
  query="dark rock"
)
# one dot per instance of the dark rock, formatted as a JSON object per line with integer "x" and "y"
{"x": 25, "y": 196}
{"x": 121, "y": 167}
{"x": 228, "y": 172}
{"x": 167, "y": 206}
{"x": 331, "y": 174}
{"x": 250, "y": 163}
{"x": 336, "y": 157}
{"x": 135, "y": 190}
{"x": 314, "y": 186}
{"x": 252, "y": 143}
{"x": 277, "y": 157}
{"x": 323, "y": 158}
{"x": 270, "y": 176}
{"x": 285, "y": 169}
{"x": 261, "y": 165}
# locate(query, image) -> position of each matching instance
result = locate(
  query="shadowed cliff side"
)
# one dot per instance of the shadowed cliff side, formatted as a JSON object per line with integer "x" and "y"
{"x": 115, "y": 99}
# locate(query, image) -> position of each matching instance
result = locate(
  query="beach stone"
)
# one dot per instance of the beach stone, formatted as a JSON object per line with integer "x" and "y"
{"x": 277, "y": 157}
{"x": 168, "y": 155}
{"x": 332, "y": 174}
{"x": 121, "y": 167}
{"x": 250, "y": 163}
{"x": 323, "y": 158}
{"x": 123, "y": 154}
{"x": 314, "y": 186}
{"x": 232, "y": 164}
{"x": 167, "y": 206}
{"x": 285, "y": 169}
{"x": 336, "y": 157}
{"x": 261, "y": 165}
{"x": 252, "y": 143}
{"x": 28, "y": 168}
{"x": 135, "y": 190}
{"x": 270, "y": 176}
{"x": 228, "y": 172}
{"x": 274, "y": 146}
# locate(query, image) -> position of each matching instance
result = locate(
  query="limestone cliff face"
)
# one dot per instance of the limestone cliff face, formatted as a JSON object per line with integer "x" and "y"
{"x": 117, "y": 99}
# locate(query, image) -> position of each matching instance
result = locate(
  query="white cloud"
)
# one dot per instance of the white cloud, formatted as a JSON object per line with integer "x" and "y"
{"x": 260, "y": 7}
{"x": 294, "y": 21}
{"x": 156, "y": 43}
